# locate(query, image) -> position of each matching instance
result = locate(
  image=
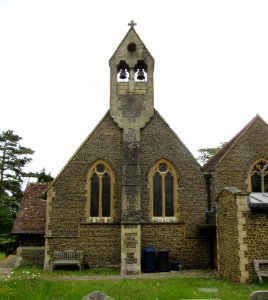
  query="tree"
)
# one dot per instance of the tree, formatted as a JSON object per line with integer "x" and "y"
{"x": 13, "y": 158}
{"x": 43, "y": 176}
{"x": 208, "y": 153}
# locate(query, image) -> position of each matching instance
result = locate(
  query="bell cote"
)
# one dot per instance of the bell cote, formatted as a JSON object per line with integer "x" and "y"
{"x": 131, "y": 82}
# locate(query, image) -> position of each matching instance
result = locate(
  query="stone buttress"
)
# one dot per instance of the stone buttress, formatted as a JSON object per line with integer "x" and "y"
{"x": 131, "y": 107}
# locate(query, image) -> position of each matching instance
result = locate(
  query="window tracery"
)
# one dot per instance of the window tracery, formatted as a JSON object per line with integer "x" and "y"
{"x": 99, "y": 187}
{"x": 259, "y": 176}
{"x": 163, "y": 191}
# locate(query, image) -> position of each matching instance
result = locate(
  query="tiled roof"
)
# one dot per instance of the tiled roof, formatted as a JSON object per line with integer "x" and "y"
{"x": 31, "y": 217}
{"x": 219, "y": 156}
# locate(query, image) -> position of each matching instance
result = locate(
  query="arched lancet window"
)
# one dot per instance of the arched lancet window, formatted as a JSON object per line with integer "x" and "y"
{"x": 163, "y": 191}
{"x": 99, "y": 187}
{"x": 258, "y": 176}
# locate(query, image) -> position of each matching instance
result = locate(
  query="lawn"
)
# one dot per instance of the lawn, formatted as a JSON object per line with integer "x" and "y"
{"x": 2, "y": 256}
{"x": 30, "y": 284}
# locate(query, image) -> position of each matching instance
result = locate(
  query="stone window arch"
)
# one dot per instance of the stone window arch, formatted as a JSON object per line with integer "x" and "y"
{"x": 99, "y": 192}
{"x": 258, "y": 176}
{"x": 163, "y": 192}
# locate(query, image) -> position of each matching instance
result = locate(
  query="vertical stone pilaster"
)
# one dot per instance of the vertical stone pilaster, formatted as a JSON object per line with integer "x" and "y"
{"x": 130, "y": 249}
{"x": 131, "y": 195}
{"x": 242, "y": 208}
{"x": 50, "y": 196}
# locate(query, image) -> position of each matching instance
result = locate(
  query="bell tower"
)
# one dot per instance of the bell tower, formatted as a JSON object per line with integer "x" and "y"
{"x": 131, "y": 107}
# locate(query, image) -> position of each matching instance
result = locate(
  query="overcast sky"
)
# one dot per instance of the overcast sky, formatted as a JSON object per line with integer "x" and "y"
{"x": 211, "y": 68}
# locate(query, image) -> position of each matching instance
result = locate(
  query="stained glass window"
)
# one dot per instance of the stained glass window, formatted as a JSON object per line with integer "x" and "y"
{"x": 163, "y": 189}
{"x": 259, "y": 177}
{"x": 100, "y": 190}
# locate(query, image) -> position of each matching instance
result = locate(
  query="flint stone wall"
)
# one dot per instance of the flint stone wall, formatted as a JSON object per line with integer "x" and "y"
{"x": 233, "y": 169}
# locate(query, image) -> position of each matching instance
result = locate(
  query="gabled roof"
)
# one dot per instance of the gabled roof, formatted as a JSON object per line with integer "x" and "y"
{"x": 31, "y": 217}
{"x": 133, "y": 36}
{"x": 218, "y": 157}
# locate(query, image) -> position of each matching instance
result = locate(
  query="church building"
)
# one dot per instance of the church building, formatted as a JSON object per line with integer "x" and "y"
{"x": 133, "y": 183}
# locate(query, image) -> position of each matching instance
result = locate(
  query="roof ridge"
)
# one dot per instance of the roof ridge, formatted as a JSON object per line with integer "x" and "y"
{"x": 219, "y": 156}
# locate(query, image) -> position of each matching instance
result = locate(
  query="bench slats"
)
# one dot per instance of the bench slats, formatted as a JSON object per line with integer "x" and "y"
{"x": 259, "y": 269}
{"x": 67, "y": 257}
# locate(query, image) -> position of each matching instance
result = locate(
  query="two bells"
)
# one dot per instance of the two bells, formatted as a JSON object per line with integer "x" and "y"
{"x": 140, "y": 76}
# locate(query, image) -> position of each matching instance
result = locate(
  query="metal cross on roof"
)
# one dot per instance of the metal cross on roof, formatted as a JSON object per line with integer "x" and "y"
{"x": 132, "y": 24}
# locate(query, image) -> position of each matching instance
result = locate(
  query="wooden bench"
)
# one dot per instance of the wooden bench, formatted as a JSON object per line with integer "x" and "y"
{"x": 261, "y": 268}
{"x": 67, "y": 257}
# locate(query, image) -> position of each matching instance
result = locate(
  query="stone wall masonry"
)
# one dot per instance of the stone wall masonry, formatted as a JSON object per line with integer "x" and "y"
{"x": 67, "y": 227}
{"x": 159, "y": 141}
{"x": 233, "y": 169}
{"x": 100, "y": 244}
{"x": 67, "y": 208}
{"x": 240, "y": 232}
{"x": 193, "y": 253}
{"x": 257, "y": 239}
{"x": 228, "y": 237}
{"x": 30, "y": 256}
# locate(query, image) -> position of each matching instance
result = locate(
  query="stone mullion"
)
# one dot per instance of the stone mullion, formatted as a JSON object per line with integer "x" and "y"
{"x": 263, "y": 171}
{"x": 100, "y": 196}
{"x": 163, "y": 195}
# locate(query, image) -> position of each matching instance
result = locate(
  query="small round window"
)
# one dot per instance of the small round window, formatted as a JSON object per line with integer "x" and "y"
{"x": 162, "y": 168}
{"x": 100, "y": 168}
{"x": 131, "y": 47}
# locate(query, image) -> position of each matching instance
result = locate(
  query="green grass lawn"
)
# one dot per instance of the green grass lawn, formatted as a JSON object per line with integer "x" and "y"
{"x": 2, "y": 256}
{"x": 29, "y": 284}
{"x": 22, "y": 271}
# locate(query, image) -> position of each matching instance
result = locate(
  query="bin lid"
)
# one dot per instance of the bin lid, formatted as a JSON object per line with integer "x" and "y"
{"x": 149, "y": 249}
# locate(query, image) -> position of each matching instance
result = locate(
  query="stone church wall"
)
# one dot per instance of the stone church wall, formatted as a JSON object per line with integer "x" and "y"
{"x": 67, "y": 208}
{"x": 192, "y": 253}
{"x": 257, "y": 239}
{"x": 241, "y": 233}
{"x": 101, "y": 243}
{"x": 228, "y": 247}
{"x": 98, "y": 252}
{"x": 159, "y": 141}
{"x": 232, "y": 171}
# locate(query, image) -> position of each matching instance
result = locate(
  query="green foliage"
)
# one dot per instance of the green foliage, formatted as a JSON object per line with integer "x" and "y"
{"x": 7, "y": 241}
{"x": 2, "y": 255}
{"x": 207, "y": 153}
{"x": 7, "y": 215}
{"x": 43, "y": 176}
{"x": 13, "y": 158}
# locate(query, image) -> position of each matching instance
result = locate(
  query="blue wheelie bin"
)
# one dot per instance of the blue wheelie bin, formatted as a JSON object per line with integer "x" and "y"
{"x": 149, "y": 259}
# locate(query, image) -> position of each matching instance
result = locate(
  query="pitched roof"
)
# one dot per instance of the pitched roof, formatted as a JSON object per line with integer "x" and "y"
{"x": 219, "y": 156}
{"x": 258, "y": 201}
{"x": 133, "y": 34}
{"x": 31, "y": 217}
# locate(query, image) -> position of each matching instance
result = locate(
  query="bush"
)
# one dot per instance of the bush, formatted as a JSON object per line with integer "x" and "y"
{"x": 8, "y": 241}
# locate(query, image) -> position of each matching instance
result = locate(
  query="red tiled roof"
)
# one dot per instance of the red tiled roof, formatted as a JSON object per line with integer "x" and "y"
{"x": 31, "y": 217}
{"x": 219, "y": 156}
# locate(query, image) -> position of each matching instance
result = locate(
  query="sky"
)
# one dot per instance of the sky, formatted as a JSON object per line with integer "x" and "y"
{"x": 210, "y": 77}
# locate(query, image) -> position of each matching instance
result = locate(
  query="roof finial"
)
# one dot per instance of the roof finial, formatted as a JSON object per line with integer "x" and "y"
{"x": 132, "y": 24}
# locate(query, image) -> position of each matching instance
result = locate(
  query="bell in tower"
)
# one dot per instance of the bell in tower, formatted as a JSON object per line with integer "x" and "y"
{"x": 123, "y": 74}
{"x": 140, "y": 74}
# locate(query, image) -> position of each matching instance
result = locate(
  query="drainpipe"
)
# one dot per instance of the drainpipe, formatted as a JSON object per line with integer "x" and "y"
{"x": 208, "y": 182}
